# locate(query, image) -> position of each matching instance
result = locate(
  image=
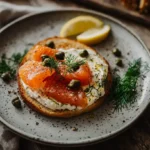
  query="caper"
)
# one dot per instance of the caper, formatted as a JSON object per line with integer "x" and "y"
{"x": 6, "y": 76}
{"x": 44, "y": 56}
{"x": 86, "y": 90}
{"x": 16, "y": 102}
{"x": 50, "y": 44}
{"x": 74, "y": 129}
{"x": 84, "y": 53}
{"x": 75, "y": 68}
{"x": 60, "y": 55}
{"x": 116, "y": 52}
{"x": 119, "y": 62}
{"x": 46, "y": 62}
{"x": 74, "y": 84}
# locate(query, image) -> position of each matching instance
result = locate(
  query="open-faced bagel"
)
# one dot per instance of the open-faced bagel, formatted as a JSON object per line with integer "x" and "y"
{"x": 35, "y": 105}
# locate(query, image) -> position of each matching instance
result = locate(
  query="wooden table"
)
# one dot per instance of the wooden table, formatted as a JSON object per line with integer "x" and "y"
{"x": 135, "y": 138}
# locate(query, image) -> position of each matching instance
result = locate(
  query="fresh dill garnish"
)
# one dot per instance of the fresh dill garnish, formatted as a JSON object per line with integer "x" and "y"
{"x": 50, "y": 62}
{"x": 72, "y": 63}
{"x": 8, "y": 66}
{"x": 124, "y": 90}
{"x": 17, "y": 57}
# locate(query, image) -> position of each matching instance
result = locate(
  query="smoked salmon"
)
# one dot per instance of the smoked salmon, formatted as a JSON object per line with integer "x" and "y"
{"x": 40, "y": 50}
{"x": 33, "y": 73}
{"x": 51, "y": 84}
{"x": 56, "y": 87}
{"x": 83, "y": 74}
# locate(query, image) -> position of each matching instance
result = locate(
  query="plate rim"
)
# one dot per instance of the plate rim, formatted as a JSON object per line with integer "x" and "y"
{"x": 82, "y": 142}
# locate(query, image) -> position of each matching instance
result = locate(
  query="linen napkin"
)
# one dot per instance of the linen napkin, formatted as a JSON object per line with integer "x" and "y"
{"x": 8, "y": 12}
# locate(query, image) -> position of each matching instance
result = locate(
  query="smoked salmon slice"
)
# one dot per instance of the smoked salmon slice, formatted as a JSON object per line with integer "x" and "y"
{"x": 83, "y": 74}
{"x": 56, "y": 87}
{"x": 51, "y": 84}
{"x": 40, "y": 50}
{"x": 33, "y": 73}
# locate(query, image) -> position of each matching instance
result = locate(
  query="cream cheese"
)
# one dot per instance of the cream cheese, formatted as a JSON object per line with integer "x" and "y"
{"x": 93, "y": 91}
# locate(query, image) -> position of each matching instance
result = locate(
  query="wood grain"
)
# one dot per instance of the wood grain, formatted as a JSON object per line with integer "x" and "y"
{"x": 116, "y": 8}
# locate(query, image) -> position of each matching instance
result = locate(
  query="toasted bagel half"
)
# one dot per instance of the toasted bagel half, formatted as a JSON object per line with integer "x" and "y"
{"x": 35, "y": 105}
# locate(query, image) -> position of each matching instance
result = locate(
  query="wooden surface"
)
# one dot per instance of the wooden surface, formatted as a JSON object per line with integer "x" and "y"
{"x": 135, "y": 138}
{"x": 116, "y": 8}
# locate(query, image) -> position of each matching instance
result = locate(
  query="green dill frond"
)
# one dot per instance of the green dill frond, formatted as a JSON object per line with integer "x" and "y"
{"x": 124, "y": 90}
{"x": 50, "y": 62}
{"x": 17, "y": 57}
{"x": 72, "y": 63}
{"x": 10, "y": 64}
{"x": 4, "y": 66}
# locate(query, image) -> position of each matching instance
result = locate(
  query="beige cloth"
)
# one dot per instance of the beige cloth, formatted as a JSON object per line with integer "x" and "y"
{"x": 16, "y": 8}
{"x": 9, "y": 10}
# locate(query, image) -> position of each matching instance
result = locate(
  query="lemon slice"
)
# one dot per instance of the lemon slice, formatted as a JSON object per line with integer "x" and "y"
{"x": 94, "y": 35}
{"x": 79, "y": 24}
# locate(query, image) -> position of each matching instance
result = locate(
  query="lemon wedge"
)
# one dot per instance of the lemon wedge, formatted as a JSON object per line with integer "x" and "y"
{"x": 79, "y": 24}
{"x": 94, "y": 35}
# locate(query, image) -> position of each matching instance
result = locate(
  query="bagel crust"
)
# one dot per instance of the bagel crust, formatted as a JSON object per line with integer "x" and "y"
{"x": 35, "y": 105}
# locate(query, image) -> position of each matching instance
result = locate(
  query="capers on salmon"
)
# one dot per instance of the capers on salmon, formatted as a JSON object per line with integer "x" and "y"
{"x": 74, "y": 84}
{"x": 86, "y": 90}
{"x": 50, "y": 44}
{"x": 16, "y": 102}
{"x": 84, "y": 53}
{"x": 119, "y": 62}
{"x": 116, "y": 52}
{"x": 44, "y": 56}
{"x": 60, "y": 55}
{"x": 46, "y": 62}
{"x": 75, "y": 68}
{"x": 6, "y": 76}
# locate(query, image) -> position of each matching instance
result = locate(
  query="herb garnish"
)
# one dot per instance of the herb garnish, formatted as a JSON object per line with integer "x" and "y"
{"x": 72, "y": 63}
{"x": 50, "y": 62}
{"x": 8, "y": 66}
{"x": 124, "y": 90}
{"x": 17, "y": 57}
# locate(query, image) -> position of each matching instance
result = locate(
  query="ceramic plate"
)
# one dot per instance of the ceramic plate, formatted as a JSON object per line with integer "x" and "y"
{"x": 93, "y": 127}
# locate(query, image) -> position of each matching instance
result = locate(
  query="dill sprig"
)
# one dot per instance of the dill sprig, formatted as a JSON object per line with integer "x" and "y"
{"x": 17, "y": 57}
{"x": 9, "y": 65}
{"x": 124, "y": 90}
{"x": 72, "y": 63}
{"x": 50, "y": 62}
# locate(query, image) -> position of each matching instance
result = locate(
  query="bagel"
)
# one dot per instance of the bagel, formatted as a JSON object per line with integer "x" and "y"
{"x": 66, "y": 44}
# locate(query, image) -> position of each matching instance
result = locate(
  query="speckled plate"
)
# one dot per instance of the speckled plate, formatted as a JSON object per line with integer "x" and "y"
{"x": 93, "y": 127}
